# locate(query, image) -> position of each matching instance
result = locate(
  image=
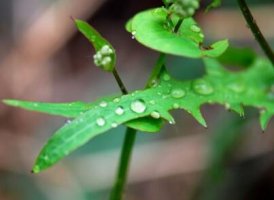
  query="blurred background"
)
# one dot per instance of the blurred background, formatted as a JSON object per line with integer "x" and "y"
{"x": 43, "y": 58}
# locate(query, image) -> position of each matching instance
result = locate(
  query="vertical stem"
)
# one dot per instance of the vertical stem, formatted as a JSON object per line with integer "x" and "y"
{"x": 130, "y": 135}
{"x": 120, "y": 181}
{"x": 256, "y": 31}
{"x": 119, "y": 81}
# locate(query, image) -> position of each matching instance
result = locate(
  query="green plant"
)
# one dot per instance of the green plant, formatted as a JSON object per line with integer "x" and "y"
{"x": 170, "y": 30}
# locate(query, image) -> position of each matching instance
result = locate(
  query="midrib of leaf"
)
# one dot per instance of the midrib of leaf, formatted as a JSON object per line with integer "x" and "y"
{"x": 256, "y": 91}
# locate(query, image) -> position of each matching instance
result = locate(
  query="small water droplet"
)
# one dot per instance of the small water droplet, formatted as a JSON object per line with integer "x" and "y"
{"x": 116, "y": 100}
{"x": 133, "y": 33}
{"x": 171, "y": 122}
{"x": 100, "y": 121}
{"x": 152, "y": 102}
{"x": 195, "y": 28}
{"x": 35, "y": 104}
{"x": 155, "y": 114}
{"x": 176, "y": 105}
{"x": 138, "y": 106}
{"x": 68, "y": 121}
{"x": 153, "y": 83}
{"x": 178, "y": 93}
{"x": 236, "y": 87}
{"x": 119, "y": 110}
{"x": 103, "y": 104}
{"x": 202, "y": 87}
{"x": 166, "y": 77}
{"x": 114, "y": 125}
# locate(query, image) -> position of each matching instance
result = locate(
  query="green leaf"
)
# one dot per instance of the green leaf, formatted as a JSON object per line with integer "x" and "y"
{"x": 213, "y": 4}
{"x": 150, "y": 29}
{"x": 70, "y": 110}
{"x": 75, "y": 109}
{"x": 254, "y": 87}
{"x": 105, "y": 56}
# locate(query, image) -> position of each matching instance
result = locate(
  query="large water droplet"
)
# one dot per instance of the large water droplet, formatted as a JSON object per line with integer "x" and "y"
{"x": 178, "y": 93}
{"x": 138, "y": 106}
{"x": 202, "y": 87}
{"x": 119, "y": 110}
{"x": 103, "y": 104}
{"x": 155, "y": 114}
{"x": 100, "y": 121}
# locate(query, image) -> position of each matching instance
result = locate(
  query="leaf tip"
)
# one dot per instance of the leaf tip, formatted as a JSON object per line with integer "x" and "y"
{"x": 10, "y": 102}
{"x": 36, "y": 169}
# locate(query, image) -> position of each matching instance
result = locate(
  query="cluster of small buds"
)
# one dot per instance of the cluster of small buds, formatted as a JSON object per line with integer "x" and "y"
{"x": 184, "y": 8}
{"x": 103, "y": 56}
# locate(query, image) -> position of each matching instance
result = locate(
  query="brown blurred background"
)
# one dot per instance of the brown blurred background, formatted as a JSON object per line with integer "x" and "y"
{"x": 43, "y": 58}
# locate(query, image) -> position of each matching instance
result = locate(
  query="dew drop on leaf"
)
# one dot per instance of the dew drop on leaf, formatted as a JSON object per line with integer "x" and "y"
{"x": 103, "y": 104}
{"x": 236, "y": 87}
{"x": 202, "y": 87}
{"x": 119, "y": 110}
{"x": 166, "y": 77}
{"x": 138, "y": 106}
{"x": 100, "y": 121}
{"x": 114, "y": 125}
{"x": 155, "y": 115}
{"x": 176, "y": 105}
{"x": 178, "y": 93}
{"x": 116, "y": 100}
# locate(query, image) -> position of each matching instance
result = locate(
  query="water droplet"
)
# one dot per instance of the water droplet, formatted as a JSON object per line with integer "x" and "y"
{"x": 178, "y": 93}
{"x": 171, "y": 122}
{"x": 153, "y": 83}
{"x": 35, "y": 104}
{"x": 202, "y": 87}
{"x": 152, "y": 102}
{"x": 116, "y": 100}
{"x": 133, "y": 33}
{"x": 236, "y": 87}
{"x": 138, "y": 106}
{"x": 100, "y": 121}
{"x": 155, "y": 114}
{"x": 119, "y": 110}
{"x": 166, "y": 77}
{"x": 114, "y": 125}
{"x": 68, "y": 121}
{"x": 195, "y": 28}
{"x": 176, "y": 105}
{"x": 103, "y": 104}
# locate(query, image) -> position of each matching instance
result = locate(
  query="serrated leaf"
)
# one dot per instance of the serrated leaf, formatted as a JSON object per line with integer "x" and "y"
{"x": 105, "y": 56}
{"x": 254, "y": 87}
{"x": 150, "y": 29}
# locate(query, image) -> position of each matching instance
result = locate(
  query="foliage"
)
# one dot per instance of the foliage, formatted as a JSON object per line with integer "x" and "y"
{"x": 168, "y": 31}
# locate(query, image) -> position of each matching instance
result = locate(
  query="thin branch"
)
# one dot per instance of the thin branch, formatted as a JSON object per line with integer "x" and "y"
{"x": 256, "y": 31}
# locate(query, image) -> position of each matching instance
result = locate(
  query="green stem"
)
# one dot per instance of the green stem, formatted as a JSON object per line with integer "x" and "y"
{"x": 119, "y": 82}
{"x": 256, "y": 31}
{"x": 120, "y": 181}
{"x": 179, "y": 23}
